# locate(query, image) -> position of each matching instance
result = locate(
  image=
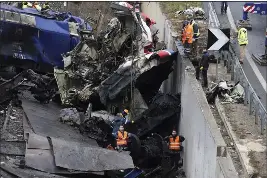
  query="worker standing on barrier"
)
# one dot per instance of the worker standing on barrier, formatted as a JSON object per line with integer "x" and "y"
{"x": 243, "y": 41}
{"x": 188, "y": 37}
{"x": 174, "y": 141}
{"x": 122, "y": 139}
{"x": 195, "y": 36}
{"x": 203, "y": 67}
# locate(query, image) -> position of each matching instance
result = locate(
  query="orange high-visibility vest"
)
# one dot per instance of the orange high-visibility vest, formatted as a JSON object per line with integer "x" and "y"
{"x": 122, "y": 138}
{"x": 189, "y": 33}
{"x": 174, "y": 143}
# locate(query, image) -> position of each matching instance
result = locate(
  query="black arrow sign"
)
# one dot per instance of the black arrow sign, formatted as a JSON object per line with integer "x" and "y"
{"x": 213, "y": 39}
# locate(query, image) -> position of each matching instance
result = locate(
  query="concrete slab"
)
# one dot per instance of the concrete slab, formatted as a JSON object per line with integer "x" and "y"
{"x": 72, "y": 155}
{"x": 37, "y": 142}
{"x": 44, "y": 120}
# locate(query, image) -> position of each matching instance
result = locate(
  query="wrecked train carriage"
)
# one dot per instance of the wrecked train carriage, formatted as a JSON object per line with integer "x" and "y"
{"x": 141, "y": 71}
{"x": 91, "y": 62}
{"x": 35, "y": 40}
{"x": 141, "y": 95}
{"x": 95, "y": 59}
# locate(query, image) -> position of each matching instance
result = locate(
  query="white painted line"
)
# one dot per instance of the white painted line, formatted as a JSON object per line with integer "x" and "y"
{"x": 249, "y": 59}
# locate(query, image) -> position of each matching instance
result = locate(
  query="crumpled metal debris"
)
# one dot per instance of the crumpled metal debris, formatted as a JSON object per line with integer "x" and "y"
{"x": 91, "y": 62}
{"x": 195, "y": 12}
{"x": 230, "y": 93}
{"x": 42, "y": 87}
{"x": 70, "y": 116}
{"x": 96, "y": 128}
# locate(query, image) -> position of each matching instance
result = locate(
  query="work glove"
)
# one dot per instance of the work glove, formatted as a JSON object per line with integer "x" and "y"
{"x": 201, "y": 68}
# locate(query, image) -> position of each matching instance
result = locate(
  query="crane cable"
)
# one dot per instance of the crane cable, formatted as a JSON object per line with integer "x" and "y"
{"x": 132, "y": 67}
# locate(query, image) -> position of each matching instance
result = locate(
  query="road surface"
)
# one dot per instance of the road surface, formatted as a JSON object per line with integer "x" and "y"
{"x": 255, "y": 73}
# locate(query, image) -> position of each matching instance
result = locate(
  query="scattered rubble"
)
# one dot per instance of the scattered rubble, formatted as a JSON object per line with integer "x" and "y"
{"x": 231, "y": 93}
{"x": 70, "y": 116}
{"x": 195, "y": 12}
{"x": 63, "y": 123}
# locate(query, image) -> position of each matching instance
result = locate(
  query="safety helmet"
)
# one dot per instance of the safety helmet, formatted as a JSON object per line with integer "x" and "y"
{"x": 121, "y": 128}
{"x": 185, "y": 23}
{"x": 126, "y": 111}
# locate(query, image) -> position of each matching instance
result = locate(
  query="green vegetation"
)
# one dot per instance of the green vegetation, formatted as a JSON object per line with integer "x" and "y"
{"x": 169, "y": 8}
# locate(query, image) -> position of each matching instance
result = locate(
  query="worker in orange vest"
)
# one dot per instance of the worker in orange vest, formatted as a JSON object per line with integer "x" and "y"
{"x": 122, "y": 139}
{"x": 185, "y": 23}
{"x": 175, "y": 147}
{"x": 188, "y": 37}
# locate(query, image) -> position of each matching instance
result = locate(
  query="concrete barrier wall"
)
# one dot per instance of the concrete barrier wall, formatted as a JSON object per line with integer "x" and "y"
{"x": 205, "y": 154}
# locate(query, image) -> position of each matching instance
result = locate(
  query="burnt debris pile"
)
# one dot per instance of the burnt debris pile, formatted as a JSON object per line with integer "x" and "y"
{"x": 70, "y": 118}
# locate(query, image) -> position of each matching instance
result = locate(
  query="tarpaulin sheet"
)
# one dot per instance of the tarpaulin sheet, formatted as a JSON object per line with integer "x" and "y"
{"x": 50, "y": 39}
{"x": 72, "y": 155}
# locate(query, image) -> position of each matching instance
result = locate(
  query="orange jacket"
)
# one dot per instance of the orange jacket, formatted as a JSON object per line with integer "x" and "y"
{"x": 174, "y": 144}
{"x": 188, "y": 33}
{"x": 122, "y": 138}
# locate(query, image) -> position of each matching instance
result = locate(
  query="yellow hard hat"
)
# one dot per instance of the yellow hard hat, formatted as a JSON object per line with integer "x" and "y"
{"x": 126, "y": 111}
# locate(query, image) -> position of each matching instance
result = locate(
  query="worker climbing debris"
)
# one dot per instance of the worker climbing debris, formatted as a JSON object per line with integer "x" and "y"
{"x": 175, "y": 146}
{"x": 122, "y": 119}
{"x": 122, "y": 139}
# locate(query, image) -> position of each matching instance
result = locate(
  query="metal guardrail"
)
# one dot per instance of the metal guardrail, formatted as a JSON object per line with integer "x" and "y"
{"x": 251, "y": 99}
{"x": 237, "y": 74}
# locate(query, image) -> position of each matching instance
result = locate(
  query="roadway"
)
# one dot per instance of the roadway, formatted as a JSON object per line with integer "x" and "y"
{"x": 255, "y": 73}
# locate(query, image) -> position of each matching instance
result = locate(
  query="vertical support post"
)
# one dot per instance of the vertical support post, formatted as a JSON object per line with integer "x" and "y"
{"x": 262, "y": 122}
{"x": 250, "y": 103}
{"x": 265, "y": 54}
{"x": 246, "y": 94}
{"x": 217, "y": 63}
{"x": 256, "y": 114}
{"x": 233, "y": 69}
